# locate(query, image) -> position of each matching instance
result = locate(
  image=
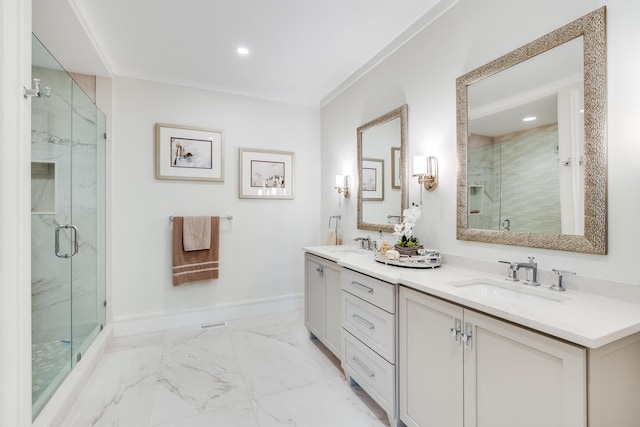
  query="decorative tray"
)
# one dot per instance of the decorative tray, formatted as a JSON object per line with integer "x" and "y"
{"x": 431, "y": 259}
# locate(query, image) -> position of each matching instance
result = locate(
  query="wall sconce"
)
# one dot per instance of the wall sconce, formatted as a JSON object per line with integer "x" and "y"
{"x": 342, "y": 185}
{"x": 426, "y": 169}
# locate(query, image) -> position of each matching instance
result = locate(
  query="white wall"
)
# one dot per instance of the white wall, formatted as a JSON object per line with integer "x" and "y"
{"x": 422, "y": 74}
{"x": 260, "y": 250}
{"x": 15, "y": 217}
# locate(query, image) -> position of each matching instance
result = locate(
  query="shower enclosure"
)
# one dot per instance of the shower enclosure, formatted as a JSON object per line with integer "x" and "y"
{"x": 67, "y": 224}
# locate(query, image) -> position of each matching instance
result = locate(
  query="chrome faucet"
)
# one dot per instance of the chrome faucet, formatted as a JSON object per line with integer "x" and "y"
{"x": 556, "y": 280}
{"x": 365, "y": 242}
{"x": 533, "y": 266}
{"x": 513, "y": 269}
{"x": 530, "y": 265}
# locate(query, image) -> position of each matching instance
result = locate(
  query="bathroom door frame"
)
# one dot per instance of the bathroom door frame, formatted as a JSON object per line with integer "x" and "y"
{"x": 15, "y": 219}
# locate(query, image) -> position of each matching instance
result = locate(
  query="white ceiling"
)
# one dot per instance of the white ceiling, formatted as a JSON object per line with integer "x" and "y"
{"x": 498, "y": 104}
{"x": 302, "y": 51}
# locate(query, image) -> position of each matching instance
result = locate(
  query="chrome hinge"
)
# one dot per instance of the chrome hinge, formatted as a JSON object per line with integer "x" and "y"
{"x": 37, "y": 90}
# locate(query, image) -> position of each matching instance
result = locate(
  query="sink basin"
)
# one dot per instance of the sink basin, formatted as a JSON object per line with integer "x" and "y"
{"x": 509, "y": 291}
{"x": 339, "y": 249}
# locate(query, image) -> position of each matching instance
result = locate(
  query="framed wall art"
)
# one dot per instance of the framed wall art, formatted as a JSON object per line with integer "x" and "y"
{"x": 189, "y": 153}
{"x": 265, "y": 174}
{"x": 372, "y": 179}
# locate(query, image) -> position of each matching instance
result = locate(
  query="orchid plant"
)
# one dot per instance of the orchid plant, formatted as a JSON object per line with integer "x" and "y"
{"x": 404, "y": 230}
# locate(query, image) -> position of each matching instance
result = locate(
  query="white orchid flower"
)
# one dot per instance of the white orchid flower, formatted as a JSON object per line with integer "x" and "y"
{"x": 410, "y": 217}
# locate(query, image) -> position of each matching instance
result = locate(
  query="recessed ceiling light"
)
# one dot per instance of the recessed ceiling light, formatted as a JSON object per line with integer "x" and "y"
{"x": 529, "y": 119}
{"x": 243, "y": 51}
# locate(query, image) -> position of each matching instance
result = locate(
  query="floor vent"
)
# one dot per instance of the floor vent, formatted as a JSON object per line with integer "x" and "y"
{"x": 213, "y": 326}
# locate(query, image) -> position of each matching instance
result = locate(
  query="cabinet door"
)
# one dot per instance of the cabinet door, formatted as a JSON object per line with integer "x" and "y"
{"x": 332, "y": 310}
{"x": 431, "y": 360}
{"x": 516, "y": 377}
{"x": 615, "y": 368}
{"x": 314, "y": 295}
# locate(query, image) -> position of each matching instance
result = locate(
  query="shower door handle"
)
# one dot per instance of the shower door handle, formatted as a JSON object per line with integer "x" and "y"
{"x": 74, "y": 229}
{"x": 75, "y": 241}
{"x": 57, "y": 248}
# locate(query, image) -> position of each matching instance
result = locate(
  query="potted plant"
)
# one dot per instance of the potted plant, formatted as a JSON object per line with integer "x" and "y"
{"x": 407, "y": 243}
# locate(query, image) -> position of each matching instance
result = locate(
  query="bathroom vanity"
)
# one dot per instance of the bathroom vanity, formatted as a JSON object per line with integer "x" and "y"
{"x": 369, "y": 336}
{"x": 455, "y": 346}
{"x": 322, "y": 302}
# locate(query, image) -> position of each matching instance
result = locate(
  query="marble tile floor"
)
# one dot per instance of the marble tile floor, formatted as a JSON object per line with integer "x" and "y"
{"x": 255, "y": 372}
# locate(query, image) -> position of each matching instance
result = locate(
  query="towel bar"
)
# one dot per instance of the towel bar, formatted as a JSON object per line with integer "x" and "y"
{"x": 337, "y": 217}
{"x": 228, "y": 217}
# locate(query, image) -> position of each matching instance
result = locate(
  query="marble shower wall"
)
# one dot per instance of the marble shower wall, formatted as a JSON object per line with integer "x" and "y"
{"x": 64, "y": 144}
{"x": 484, "y": 183}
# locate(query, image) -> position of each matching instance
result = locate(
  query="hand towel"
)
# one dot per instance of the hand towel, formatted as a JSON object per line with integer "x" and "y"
{"x": 332, "y": 237}
{"x": 196, "y": 233}
{"x": 333, "y": 234}
{"x": 195, "y": 266}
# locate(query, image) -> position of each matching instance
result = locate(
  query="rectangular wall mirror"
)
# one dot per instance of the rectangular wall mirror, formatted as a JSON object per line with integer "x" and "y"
{"x": 532, "y": 157}
{"x": 382, "y": 171}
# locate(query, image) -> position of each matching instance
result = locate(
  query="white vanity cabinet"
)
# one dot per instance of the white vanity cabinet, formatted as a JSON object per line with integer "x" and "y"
{"x": 369, "y": 337}
{"x": 462, "y": 368}
{"x": 322, "y": 300}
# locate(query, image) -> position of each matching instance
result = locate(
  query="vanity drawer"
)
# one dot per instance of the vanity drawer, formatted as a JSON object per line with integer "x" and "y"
{"x": 374, "y": 374}
{"x": 370, "y": 324}
{"x": 377, "y": 292}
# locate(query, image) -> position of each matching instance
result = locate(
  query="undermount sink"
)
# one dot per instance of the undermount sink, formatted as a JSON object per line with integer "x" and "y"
{"x": 513, "y": 292}
{"x": 347, "y": 249}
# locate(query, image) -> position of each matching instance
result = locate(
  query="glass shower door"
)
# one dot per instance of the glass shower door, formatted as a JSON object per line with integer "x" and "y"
{"x": 87, "y": 171}
{"x": 50, "y": 209}
{"x": 67, "y": 225}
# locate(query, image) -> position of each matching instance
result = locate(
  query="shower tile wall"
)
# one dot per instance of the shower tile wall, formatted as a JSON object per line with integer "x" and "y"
{"x": 51, "y": 143}
{"x": 484, "y": 179}
{"x": 67, "y": 192}
{"x": 86, "y": 316}
{"x": 531, "y": 183}
{"x": 519, "y": 180}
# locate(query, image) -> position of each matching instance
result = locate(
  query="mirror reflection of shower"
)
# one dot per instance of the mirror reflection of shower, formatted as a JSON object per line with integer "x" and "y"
{"x": 525, "y": 124}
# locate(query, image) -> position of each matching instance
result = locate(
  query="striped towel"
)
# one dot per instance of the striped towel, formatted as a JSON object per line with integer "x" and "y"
{"x": 194, "y": 266}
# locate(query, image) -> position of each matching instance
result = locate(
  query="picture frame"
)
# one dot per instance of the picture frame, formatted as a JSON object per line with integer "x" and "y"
{"x": 372, "y": 183}
{"x": 395, "y": 168}
{"x": 265, "y": 174}
{"x": 189, "y": 153}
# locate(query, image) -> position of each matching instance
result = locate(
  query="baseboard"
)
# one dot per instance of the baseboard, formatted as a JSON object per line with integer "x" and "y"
{"x": 139, "y": 324}
{"x": 53, "y": 413}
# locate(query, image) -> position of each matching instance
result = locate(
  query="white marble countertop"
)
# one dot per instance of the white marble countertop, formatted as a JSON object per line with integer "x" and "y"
{"x": 582, "y": 318}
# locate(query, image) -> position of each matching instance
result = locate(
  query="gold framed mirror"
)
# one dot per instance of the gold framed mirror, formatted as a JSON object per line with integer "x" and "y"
{"x": 558, "y": 203}
{"x": 382, "y": 171}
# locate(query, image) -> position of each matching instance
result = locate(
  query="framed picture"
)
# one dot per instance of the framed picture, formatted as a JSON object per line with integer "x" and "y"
{"x": 265, "y": 174}
{"x": 372, "y": 179}
{"x": 395, "y": 168}
{"x": 189, "y": 153}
